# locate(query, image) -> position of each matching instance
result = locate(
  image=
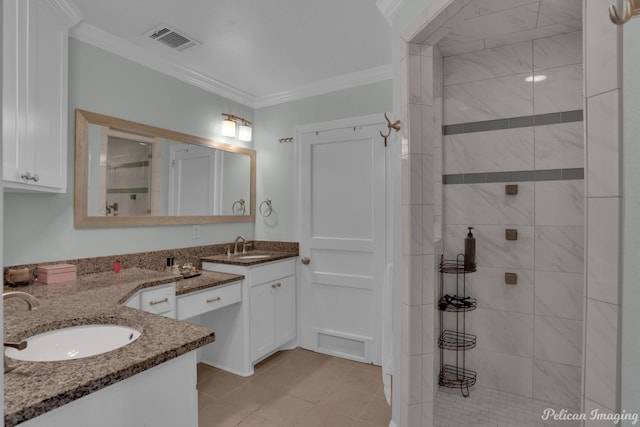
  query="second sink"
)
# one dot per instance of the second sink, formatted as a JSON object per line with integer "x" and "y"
{"x": 253, "y": 256}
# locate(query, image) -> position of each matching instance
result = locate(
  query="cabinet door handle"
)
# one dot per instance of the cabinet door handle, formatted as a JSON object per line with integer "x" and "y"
{"x": 28, "y": 177}
{"x": 305, "y": 260}
{"x": 214, "y": 299}
{"x": 279, "y": 285}
{"x": 160, "y": 301}
{"x": 274, "y": 286}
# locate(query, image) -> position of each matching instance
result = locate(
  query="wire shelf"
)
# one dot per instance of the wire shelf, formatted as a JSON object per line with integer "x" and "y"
{"x": 456, "y": 376}
{"x": 456, "y": 267}
{"x": 453, "y": 377}
{"x": 452, "y": 340}
{"x": 468, "y": 304}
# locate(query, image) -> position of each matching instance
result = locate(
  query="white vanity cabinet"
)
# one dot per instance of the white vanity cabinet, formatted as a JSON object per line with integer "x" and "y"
{"x": 159, "y": 299}
{"x": 273, "y": 315}
{"x": 201, "y": 302}
{"x": 34, "y": 99}
{"x": 267, "y": 312}
{"x": 164, "y": 395}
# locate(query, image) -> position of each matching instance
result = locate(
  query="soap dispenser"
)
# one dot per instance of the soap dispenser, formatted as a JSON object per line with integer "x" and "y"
{"x": 470, "y": 251}
{"x": 170, "y": 263}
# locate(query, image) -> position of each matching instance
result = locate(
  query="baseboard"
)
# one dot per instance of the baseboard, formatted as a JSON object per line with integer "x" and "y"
{"x": 227, "y": 368}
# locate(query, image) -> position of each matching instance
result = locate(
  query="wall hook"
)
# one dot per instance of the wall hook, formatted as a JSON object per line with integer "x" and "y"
{"x": 395, "y": 125}
{"x": 632, "y": 9}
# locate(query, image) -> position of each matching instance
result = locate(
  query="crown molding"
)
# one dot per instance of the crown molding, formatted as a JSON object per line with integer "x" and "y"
{"x": 389, "y": 8}
{"x": 345, "y": 81}
{"x": 69, "y": 11}
{"x": 94, "y": 36}
{"x": 90, "y": 34}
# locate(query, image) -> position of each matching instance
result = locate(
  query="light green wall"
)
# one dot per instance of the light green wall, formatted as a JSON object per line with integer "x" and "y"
{"x": 39, "y": 227}
{"x": 276, "y": 162}
{"x": 631, "y": 221}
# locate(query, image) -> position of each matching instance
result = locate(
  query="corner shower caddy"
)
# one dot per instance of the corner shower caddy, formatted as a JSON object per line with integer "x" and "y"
{"x": 458, "y": 340}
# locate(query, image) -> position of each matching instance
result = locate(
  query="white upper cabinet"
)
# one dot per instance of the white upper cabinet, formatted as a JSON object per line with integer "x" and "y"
{"x": 35, "y": 70}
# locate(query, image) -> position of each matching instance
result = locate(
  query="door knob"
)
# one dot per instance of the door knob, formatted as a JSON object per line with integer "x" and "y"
{"x": 305, "y": 260}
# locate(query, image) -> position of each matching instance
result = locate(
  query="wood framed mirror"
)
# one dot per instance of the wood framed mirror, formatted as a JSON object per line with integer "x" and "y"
{"x": 130, "y": 174}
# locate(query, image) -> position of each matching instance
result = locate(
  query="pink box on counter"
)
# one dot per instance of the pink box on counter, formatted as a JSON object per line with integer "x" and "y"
{"x": 56, "y": 273}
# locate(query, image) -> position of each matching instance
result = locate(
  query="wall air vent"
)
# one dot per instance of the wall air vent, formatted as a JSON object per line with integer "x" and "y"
{"x": 172, "y": 38}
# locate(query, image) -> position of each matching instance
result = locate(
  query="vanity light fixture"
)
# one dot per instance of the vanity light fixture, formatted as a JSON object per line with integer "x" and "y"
{"x": 229, "y": 127}
{"x": 244, "y": 133}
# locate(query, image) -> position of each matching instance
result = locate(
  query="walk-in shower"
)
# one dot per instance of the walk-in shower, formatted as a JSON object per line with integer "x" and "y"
{"x": 495, "y": 98}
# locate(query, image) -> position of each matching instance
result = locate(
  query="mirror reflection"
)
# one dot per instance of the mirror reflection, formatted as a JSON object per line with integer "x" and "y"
{"x": 132, "y": 174}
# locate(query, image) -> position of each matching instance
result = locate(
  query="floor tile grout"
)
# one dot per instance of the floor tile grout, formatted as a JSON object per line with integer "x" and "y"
{"x": 314, "y": 386}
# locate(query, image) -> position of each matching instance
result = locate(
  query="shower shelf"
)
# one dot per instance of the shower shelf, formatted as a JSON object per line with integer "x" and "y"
{"x": 455, "y": 267}
{"x": 471, "y": 304}
{"x": 456, "y": 377}
{"x": 458, "y": 340}
{"x": 452, "y": 340}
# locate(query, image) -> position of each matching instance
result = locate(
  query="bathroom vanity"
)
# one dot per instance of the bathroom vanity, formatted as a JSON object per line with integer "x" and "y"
{"x": 265, "y": 321}
{"x": 152, "y": 380}
{"x": 249, "y": 301}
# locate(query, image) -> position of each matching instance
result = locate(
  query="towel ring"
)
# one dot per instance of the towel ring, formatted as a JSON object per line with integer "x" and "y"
{"x": 238, "y": 202}
{"x": 265, "y": 208}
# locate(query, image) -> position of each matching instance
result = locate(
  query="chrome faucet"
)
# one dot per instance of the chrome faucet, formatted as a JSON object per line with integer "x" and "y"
{"x": 31, "y": 301}
{"x": 235, "y": 245}
{"x": 33, "y": 304}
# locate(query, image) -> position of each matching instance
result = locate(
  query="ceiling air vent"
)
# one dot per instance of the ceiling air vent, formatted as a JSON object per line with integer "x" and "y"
{"x": 172, "y": 38}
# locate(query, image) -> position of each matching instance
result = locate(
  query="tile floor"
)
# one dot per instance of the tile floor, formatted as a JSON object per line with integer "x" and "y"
{"x": 294, "y": 388}
{"x": 491, "y": 408}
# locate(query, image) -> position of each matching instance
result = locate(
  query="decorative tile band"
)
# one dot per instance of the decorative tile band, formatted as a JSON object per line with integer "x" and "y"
{"x": 128, "y": 190}
{"x": 514, "y": 122}
{"x": 142, "y": 164}
{"x": 515, "y": 176}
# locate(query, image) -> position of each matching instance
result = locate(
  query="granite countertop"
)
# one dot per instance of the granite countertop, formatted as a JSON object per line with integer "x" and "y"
{"x": 208, "y": 279}
{"x": 34, "y": 388}
{"x": 261, "y": 257}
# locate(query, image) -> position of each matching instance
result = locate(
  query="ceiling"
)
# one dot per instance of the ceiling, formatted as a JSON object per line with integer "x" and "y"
{"x": 256, "y": 49}
{"x": 262, "y": 52}
{"x": 468, "y": 26}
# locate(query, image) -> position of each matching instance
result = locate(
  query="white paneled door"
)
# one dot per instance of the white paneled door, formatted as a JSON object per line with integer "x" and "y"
{"x": 193, "y": 179}
{"x": 342, "y": 236}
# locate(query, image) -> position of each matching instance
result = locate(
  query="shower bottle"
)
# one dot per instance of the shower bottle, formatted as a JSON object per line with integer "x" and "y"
{"x": 470, "y": 251}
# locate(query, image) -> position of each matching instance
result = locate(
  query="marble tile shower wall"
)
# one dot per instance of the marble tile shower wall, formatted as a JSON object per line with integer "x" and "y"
{"x": 128, "y": 182}
{"x": 603, "y": 86}
{"x": 422, "y": 215}
{"x": 530, "y": 334}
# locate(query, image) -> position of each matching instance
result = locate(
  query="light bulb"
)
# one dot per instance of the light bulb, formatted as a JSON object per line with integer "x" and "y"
{"x": 244, "y": 133}
{"x": 228, "y": 128}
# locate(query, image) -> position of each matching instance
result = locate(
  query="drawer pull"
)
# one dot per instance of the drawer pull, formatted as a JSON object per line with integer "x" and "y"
{"x": 214, "y": 299}
{"x": 160, "y": 301}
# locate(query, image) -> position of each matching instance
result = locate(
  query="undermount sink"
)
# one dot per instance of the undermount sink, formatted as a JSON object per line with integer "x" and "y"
{"x": 253, "y": 256}
{"x": 74, "y": 342}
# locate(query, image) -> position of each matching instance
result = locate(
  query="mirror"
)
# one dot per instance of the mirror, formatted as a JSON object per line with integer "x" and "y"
{"x": 130, "y": 174}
